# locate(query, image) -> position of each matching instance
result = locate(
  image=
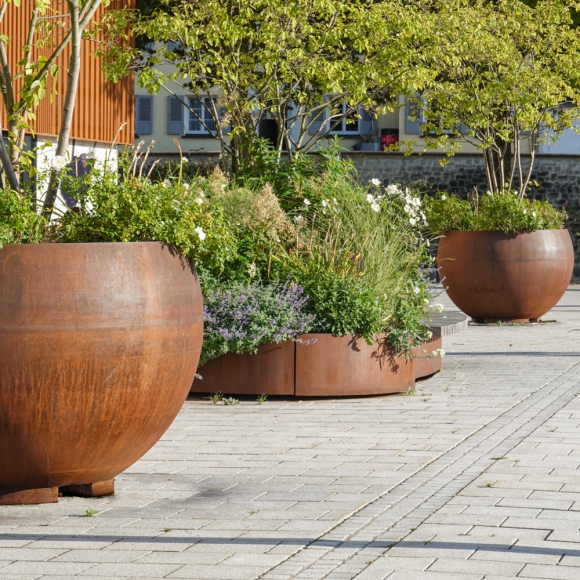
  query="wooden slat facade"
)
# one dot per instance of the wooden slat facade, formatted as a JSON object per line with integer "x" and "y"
{"x": 101, "y": 107}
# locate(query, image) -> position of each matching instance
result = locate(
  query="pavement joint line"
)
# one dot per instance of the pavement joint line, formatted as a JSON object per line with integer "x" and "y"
{"x": 477, "y": 438}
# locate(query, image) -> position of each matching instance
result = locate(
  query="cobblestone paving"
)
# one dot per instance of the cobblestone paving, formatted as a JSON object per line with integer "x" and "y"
{"x": 474, "y": 476}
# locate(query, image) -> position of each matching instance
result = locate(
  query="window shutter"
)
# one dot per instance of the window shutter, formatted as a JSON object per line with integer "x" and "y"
{"x": 413, "y": 119}
{"x": 144, "y": 114}
{"x": 317, "y": 122}
{"x": 174, "y": 116}
{"x": 365, "y": 122}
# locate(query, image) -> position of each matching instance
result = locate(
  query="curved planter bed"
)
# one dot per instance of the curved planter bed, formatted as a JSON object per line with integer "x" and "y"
{"x": 99, "y": 345}
{"x": 494, "y": 276}
{"x": 318, "y": 365}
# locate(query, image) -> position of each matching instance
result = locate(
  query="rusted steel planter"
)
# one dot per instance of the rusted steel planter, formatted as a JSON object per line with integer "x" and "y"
{"x": 347, "y": 365}
{"x": 99, "y": 345}
{"x": 424, "y": 363}
{"x": 317, "y": 365}
{"x": 494, "y": 276}
{"x": 270, "y": 371}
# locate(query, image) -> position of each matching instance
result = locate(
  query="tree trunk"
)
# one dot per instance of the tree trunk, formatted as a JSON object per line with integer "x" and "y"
{"x": 69, "y": 102}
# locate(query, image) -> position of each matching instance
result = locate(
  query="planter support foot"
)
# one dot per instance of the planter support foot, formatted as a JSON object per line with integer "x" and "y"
{"x": 28, "y": 496}
{"x": 96, "y": 489}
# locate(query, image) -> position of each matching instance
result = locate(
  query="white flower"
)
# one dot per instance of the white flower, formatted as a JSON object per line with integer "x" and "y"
{"x": 534, "y": 213}
{"x": 186, "y": 185}
{"x": 427, "y": 242}
{"x": 198, "y": 200}
{"x": 184, "y": 160}
{"x": 58, "y": 162}
{"x": 252, "y": 269}
{"x": 438, "y": 307}
{"x": 489, "y": 193}
{"x": 426, "y": 302}
{"x": 376, "y": 182}
{"x": 438, "y": 353}
{"x": 423, "y": 216}
{"x": 199, "y": 231}
{"x": 200, "y": 193}
{"x": 525, "y": 211}
{"x": 298, "y": 218}
{"x": 334, "y": 200}
{"x": 324, "y": 203}
{"x": 417, "y": 202}
{"x": 370, "y": 198}
{"x": 375, "y": 207}
{"x": 407, "y": 209}
{"x": 416, "y": 290}
{"x": 443, "y": 197}
{"x": 165, "y": 184}
{"x": 413, "y": 221}
{"x": 306, "y": 201}
{"x": 393, "y": 189}
{"x": 224, "y": 185}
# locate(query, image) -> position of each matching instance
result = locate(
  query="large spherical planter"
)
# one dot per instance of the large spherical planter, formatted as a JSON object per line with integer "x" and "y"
{"x": 318, "y": 365}
{"x": 99, "y": 345}
{"x": 494, "y": 276}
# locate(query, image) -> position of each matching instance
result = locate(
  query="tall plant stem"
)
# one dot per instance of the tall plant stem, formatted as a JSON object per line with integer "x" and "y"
{"x": 78, "y": 24}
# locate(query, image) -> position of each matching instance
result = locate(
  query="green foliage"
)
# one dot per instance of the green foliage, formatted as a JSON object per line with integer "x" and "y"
{"x": 342, "y": 305}
{"x": 359, "y": 255}
{"x": 19, "y": 222}
{"x": 282, "y": 60}
{"x": 505, "y": 212}
{"x": 507, "y": 72}
{"x": 134, "y": 209}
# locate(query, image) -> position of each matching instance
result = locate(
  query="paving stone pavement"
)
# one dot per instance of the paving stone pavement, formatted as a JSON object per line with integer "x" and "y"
{"x": 474, "y": 476}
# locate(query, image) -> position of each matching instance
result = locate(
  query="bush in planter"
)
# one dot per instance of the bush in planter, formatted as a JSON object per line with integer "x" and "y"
{"x": 100, "y": 339}
{"x": 503, "y": 257}
{"x": 240, "y": 316}
{"x": 360, "y": 257}
{"x": 503, "y": 212}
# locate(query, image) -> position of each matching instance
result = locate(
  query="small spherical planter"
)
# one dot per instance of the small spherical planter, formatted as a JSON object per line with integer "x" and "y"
{"x": 99, "y": 345}
{"x": 318, "y": 365}
{"x": 494, "y": 276}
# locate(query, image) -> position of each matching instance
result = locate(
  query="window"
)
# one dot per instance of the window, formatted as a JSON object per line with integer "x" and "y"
{"x": 343, "y": 122}
{"x": 143, "y": 115}
{"x": 198, "y": 116}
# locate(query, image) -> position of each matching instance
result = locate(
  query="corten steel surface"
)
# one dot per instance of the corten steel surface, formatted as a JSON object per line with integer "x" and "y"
{"x": 277, "y": 369}
{"x": 99, "y": 345}
{"x": 270, "y": 371}
{"x": 29, "y": 496}
{"x": 514, "y": 277}
{"x": 101, "y": 107}
{"x": 424, "y": 363}
{"x": 348, "y": 366}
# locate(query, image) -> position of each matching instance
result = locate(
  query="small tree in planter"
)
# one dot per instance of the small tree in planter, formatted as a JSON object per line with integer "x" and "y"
{"x": 506, "y": 79}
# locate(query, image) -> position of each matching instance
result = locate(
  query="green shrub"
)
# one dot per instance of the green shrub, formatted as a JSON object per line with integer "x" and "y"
{"x": 135, "y": 209}
{"x": 505, "y": 212}
{"x": 19, "y": 222}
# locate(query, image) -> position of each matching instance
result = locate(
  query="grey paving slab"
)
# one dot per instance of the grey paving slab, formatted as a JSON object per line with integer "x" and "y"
{"x": 475, "y": 476}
